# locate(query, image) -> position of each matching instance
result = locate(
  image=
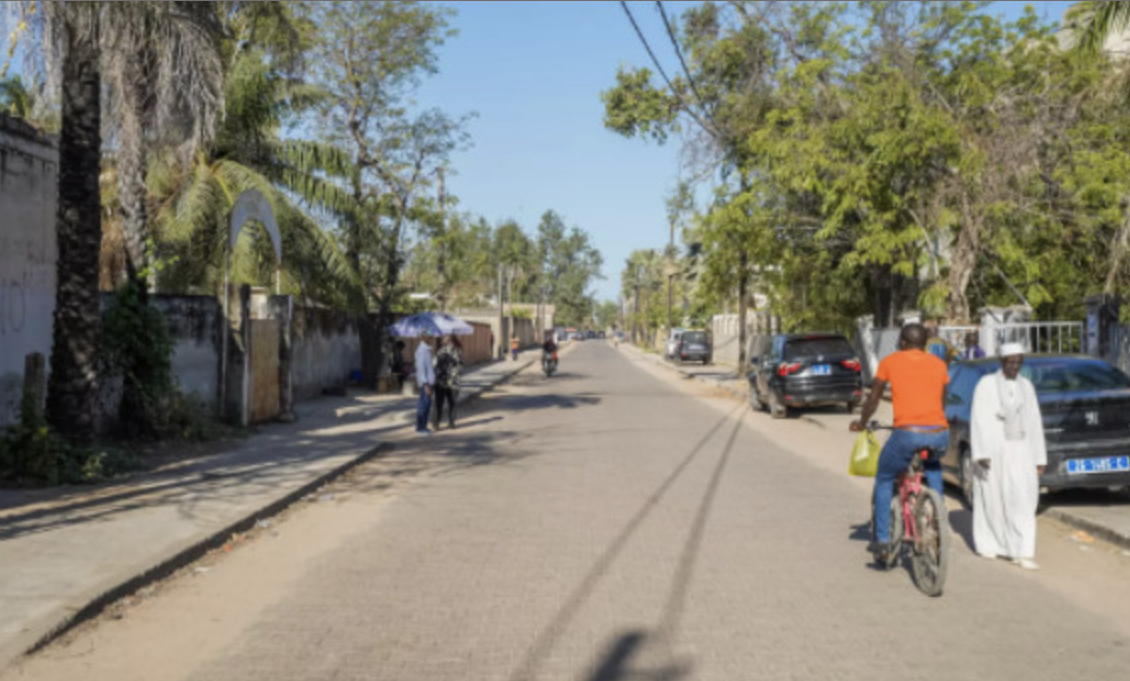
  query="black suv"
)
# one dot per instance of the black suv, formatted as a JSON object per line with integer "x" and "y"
{"x": 803, "y": 370}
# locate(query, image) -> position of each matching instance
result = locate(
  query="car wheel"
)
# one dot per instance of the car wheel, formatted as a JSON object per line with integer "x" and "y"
{"x": 967, "y": 476}
{"x": 777, "y": 409}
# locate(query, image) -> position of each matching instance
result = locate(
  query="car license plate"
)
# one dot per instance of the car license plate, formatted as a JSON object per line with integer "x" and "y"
{"x": 1106, "y": 464}
{"x": 822, "y": 370}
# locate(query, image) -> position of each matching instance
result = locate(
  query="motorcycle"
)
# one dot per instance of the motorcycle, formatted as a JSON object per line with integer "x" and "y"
{"x": 549, "y": 364}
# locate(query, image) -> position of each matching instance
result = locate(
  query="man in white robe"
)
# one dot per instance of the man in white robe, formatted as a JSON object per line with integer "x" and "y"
{"x": 1010, "y": 455}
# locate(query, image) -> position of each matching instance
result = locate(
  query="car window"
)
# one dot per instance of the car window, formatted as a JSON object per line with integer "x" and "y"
{"x": 694, "y": 337}
{"x": 778, "y": 347}
{"x": 811, "y": 347}
{"x": 1072, "y": 375}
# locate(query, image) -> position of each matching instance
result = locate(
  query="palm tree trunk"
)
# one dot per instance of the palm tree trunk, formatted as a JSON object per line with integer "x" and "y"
{"x": 72, "y": 383}
{"x": 132, "y": 164}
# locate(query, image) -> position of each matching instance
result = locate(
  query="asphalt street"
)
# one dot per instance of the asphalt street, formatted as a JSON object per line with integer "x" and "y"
{"x": 604, "y": 524}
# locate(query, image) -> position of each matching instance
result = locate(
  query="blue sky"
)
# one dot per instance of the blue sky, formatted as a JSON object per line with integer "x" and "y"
{"x": 533, "y": 72}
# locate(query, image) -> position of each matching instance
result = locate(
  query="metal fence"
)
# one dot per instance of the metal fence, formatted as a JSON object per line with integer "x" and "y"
{"x": 1036, "y": 337}
{"x": 1041, "y": 337}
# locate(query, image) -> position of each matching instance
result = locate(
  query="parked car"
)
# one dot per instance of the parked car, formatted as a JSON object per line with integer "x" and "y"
{"x": 694, "y": 346}
{"x": 803, "y": 370}
{"x": 672, "y": 344}
{"x": 1085, "y": 405}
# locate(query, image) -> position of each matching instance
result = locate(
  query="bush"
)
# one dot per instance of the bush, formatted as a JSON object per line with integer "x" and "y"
{"x": 137, "y": 345}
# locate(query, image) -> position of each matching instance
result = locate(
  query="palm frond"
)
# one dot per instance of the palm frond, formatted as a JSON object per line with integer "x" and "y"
{"x": 1092, "y": 22}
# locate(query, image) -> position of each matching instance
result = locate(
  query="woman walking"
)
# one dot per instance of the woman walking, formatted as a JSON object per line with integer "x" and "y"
{"x": 449, "y": 364}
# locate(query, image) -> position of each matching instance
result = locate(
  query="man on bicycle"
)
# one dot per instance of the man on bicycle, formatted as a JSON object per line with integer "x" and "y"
{"x": 918, "y": 382}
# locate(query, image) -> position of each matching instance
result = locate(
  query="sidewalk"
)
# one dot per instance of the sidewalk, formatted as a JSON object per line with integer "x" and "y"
{"x": 1101, "y": 514}
{"x": 67, "y": 552}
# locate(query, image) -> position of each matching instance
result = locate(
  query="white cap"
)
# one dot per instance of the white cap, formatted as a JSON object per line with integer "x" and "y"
{"x": 1009, "y": 349}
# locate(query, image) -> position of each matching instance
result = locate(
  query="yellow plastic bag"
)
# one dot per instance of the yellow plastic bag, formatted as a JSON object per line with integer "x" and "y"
{"x": 865, "y": 455}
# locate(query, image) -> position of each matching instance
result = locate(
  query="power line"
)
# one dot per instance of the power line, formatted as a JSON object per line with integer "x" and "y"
{"x": 683, "y": 62}
{"x": 659, "y": 67}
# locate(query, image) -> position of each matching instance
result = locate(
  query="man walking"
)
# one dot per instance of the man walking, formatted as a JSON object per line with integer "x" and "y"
{"x": 1010, "y": 452}
{"x": 426, "y": 380}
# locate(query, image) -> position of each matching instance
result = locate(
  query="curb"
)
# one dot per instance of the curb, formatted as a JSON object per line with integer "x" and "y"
{"x": 680, "y": 370}
{"x": 1080, "y": 523}
{"x": 193, "y": 553}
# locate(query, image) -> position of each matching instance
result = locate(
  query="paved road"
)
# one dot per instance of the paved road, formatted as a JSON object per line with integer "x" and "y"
{"x": 602, "y": 525}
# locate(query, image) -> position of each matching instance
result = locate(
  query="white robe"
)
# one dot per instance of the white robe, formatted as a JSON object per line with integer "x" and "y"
{"x": 1006, "y": 494}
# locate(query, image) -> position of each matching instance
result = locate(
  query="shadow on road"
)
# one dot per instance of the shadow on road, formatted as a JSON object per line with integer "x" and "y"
{"x": 612, "y": 666}
{"x": 617, "y": 664}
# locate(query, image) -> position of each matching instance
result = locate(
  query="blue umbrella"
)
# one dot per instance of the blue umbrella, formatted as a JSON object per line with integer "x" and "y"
{"x": 432, "y": 323}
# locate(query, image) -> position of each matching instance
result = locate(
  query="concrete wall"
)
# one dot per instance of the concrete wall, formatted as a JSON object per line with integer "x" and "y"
{"x": 489, "y": 318}
{"x": 28, "y": 189}
{"x": 724, "y": 331}
{"x": 196, "y": 323}
{"x": 326, "y": 347}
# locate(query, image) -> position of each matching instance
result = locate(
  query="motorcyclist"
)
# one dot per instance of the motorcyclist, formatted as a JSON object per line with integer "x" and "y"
{"x": 549, "y": 351}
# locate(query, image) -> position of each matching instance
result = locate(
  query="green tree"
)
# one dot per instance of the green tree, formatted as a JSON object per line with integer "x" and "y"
{"x": 370, "y": 56}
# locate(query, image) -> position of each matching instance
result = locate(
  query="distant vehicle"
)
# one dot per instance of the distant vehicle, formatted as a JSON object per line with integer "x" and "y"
{"x": 694, "y": 346}
{"x": 590, "y": 334}
{"x": 577, "y": 336}
{"x": 600, "y": 335}
{"x": 1085, "y": 404}
{"x": 803, "y": 370}
{"x": 672, "y": 344}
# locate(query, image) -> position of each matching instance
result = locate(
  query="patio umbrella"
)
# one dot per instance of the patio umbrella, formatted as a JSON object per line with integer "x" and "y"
{"x": 434, "y": 323}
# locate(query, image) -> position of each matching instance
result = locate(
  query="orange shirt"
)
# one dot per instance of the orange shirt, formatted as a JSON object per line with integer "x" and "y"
{"x": 917, "y": 380}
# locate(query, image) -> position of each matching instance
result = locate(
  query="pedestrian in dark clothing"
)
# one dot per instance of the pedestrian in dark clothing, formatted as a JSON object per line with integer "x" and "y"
{"x": 972, "y": 347}
{"x": 397, "y": 364}
{"x": 449, "y": 366}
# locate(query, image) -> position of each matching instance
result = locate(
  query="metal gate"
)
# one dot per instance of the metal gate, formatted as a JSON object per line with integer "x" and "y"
{"x": 264, "y": 370}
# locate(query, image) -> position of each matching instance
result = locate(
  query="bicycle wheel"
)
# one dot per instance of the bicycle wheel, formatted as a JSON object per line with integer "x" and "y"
{"x": 932, "y": 547}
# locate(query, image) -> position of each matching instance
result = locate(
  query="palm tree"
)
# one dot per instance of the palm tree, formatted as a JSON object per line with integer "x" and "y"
{"x": 15, "y": 98}
{"x": 193, "y": 199}
{"x": 71, "y": 389}
{"x": 1094, "y": 22}
{"x": 163, "y": 63}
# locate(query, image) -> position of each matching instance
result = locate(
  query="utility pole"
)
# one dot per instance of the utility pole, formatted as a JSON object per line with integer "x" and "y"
{"x": 636, "y": 311}
{"x": 501, "y": 317}
{"x": 670, "y": 279}
{"x": 441, "y": 261}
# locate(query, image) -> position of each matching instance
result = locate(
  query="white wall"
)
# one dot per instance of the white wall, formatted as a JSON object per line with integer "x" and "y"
{"x": 28, "y": 170}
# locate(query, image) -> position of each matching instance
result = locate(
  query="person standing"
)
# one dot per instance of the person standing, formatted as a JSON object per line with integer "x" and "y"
{"x": 514, "y": 345}
{"x": 426, "y": 380}
{"x": 972, "y": 347}
{"x": 449, "y": 365}
{"x": 1010, "y": 454}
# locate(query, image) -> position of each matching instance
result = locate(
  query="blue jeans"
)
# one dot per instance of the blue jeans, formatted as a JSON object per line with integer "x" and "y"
{"x": 423, "y": 408}
{"x": 894, "y": 459}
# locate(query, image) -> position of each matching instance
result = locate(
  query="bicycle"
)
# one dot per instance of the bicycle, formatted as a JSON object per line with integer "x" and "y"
{"x": 920, "y": 520}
